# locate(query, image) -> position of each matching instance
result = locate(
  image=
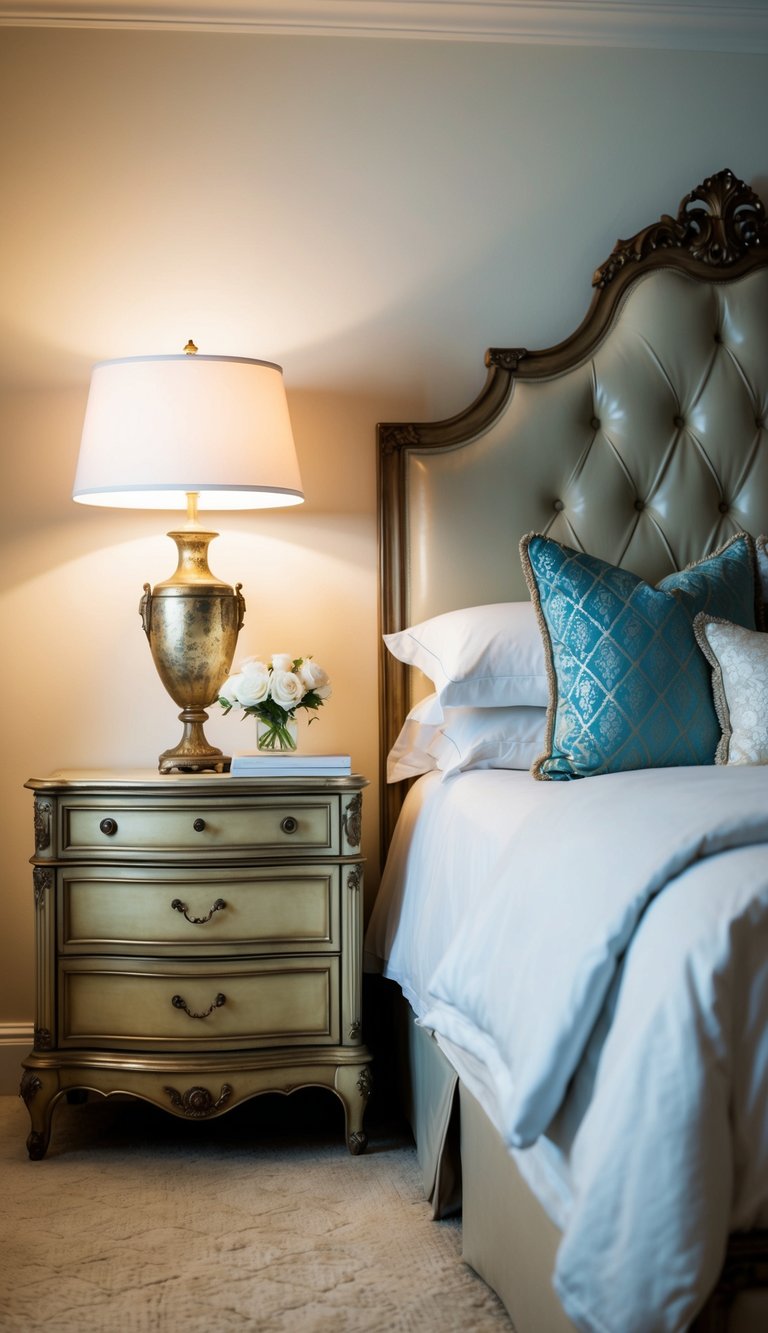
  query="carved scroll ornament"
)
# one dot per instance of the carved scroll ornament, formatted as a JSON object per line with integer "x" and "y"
{"x": 29, "y": 1087}
{"x": 43, "y": 811}
{"x": 198, "y": 1102}
{"x": 365, "y": 1083}
{"x": 506, "y": 358}
{"x": 718, "y": 223}
{"x": 395, "y": 436}
{"x": 42, "y": 881}
{"x": 355, "y": 879}
{"x": 353, "y": 820}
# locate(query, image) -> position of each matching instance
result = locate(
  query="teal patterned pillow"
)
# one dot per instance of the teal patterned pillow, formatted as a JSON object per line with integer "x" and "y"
{"x": 629, "y": 686}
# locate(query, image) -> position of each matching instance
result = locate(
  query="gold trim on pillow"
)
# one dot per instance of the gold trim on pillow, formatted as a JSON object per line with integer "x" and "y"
{"x": 719, "y": 696}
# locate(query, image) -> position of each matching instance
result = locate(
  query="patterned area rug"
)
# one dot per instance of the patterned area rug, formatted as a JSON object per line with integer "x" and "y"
{"x": 140, "y": 1222}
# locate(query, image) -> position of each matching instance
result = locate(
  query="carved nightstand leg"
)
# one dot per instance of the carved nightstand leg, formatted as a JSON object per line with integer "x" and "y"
{"x": 39, "y": 1096}
{"x": 353, "y": 1086}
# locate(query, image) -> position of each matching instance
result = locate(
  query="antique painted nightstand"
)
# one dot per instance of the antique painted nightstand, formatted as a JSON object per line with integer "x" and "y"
{"x": 199, "y": 941}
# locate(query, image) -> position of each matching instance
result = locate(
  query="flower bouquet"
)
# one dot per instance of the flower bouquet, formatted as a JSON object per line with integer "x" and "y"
{"x": 272, "y": 692}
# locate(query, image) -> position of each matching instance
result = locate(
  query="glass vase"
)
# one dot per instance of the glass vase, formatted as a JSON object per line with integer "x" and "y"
{"x": 276, "y": 736}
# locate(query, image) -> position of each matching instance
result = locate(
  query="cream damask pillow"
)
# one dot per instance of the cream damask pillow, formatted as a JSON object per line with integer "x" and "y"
{"x": 739, "y": 661}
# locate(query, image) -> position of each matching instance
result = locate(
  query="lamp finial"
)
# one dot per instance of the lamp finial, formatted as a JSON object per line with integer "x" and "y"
{"x": 190, "y": 348}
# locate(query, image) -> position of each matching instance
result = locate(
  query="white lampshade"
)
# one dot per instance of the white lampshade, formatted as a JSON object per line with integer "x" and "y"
{"x": 159, "y": 427}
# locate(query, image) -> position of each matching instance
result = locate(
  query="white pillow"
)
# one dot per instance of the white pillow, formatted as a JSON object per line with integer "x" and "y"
{"x": 488, "y": 738}
{"x": 466, "y": 738}
{"x": 408, "y": 756}
{"x": 739, "y": 661}
{"x": 479, "y": 657}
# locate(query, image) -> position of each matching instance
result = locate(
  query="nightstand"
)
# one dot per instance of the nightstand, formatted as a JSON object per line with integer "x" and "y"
{"x": 199, "y": 941}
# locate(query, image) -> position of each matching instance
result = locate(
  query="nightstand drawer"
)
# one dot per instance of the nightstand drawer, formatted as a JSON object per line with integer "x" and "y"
{"x": 119, "y": 1003}
{"x": 275, "y": 909}
{"x": 278, "y": 824}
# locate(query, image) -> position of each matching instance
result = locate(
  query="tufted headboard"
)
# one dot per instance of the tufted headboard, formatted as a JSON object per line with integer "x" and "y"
{"x": 642, "y": 438}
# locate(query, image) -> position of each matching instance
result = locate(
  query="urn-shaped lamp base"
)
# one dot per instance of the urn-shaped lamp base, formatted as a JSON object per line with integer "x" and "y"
{"x": 192, "y": 621}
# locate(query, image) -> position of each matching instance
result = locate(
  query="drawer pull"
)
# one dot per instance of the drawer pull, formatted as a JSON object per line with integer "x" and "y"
{"x": 179, "y": 906}
{"x": 108, "y": 827}
{"x": 199, "y": 825}
{"x": 289, "y": 824}
{"x": 179, "y": 1002}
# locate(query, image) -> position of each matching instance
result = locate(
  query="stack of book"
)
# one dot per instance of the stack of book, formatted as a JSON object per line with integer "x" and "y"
{"x": 287, "y": 765}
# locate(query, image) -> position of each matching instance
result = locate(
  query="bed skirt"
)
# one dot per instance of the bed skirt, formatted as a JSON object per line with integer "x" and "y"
{"x": 430, "y": 1089}
{"x": 507, "y": 1236}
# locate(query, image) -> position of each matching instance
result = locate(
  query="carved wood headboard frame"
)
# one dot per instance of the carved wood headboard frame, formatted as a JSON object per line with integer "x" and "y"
{"x": 719, "y": 235}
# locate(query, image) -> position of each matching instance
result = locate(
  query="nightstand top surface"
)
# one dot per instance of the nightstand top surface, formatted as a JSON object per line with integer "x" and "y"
{"x": 78, "y": 779}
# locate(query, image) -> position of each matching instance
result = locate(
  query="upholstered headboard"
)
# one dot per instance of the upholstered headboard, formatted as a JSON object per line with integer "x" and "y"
{"x": 642, "y": 438}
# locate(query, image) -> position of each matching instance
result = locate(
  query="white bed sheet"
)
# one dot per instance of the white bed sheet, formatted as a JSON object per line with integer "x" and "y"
{"x": 447, "y": 841}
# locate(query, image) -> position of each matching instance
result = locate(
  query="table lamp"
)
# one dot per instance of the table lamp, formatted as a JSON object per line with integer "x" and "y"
{"x": 189, "y": 431}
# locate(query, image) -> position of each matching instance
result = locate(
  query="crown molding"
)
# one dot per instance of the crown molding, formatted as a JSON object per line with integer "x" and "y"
{"x": 704, "y": 25}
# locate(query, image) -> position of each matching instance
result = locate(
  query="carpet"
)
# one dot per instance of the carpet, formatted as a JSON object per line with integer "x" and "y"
{"x": 260, "y": 1220}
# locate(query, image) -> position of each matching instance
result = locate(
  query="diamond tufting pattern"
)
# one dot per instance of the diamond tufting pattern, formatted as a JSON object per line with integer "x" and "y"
{"x": 675, "y": 403}
{"x": 647, "y": 454}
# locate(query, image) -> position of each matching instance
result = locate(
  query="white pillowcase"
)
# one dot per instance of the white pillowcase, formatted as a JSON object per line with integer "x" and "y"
{"x": 466, "y": 738}
{"x": 739, "y": 661}
{"x": 488, "y": 738}
{"x": 409, "y": 756}
{"x": 479, "y": 657}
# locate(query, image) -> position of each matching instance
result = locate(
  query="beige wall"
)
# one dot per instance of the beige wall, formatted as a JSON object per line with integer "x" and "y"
{"x": 371, "y": 214}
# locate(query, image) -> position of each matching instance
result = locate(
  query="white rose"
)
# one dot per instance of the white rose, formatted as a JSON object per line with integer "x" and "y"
{"x": 229, "y": 690}
{"x": 286, "y": 688}
{"x": 253, "y": 684}
{"x": 314, "y": 678}
{"x": 282, "y": 662}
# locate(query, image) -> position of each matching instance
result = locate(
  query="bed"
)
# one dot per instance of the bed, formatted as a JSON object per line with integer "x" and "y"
{"x": 580, "y": 966}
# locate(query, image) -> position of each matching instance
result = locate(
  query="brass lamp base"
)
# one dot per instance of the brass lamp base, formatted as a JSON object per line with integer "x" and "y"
{"x": 193, "y": 754}
{"x": 192, "y": 621}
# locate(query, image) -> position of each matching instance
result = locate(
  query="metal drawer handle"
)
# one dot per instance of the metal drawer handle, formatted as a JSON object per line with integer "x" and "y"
{"x": 179, "y": 1002}
{"x": 179, "y": 906}
{"x": 199, "y": 825}
{"x": 108, "y": 826}
{"x": 289, "y": 824}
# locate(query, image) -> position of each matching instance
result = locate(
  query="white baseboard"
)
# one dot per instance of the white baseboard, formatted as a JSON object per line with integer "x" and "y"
{"x": 15, "y": 1045}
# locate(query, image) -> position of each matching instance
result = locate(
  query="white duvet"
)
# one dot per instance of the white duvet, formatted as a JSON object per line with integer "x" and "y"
{"x": 648, "y": 893}
{"x": 618, "y": 960}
